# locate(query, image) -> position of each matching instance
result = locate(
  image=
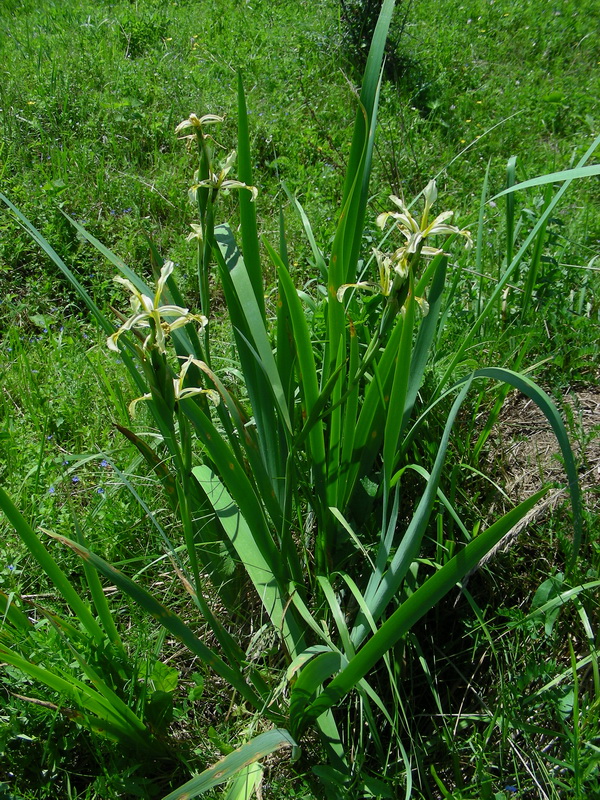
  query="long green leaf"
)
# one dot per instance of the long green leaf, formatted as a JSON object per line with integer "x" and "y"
{"x": 50, "y": 567}
{"x": 312, "y": 678}
{"x": 356, "y": 184}
{"x": 250, "y": 244}
{"x": 468, "y": 338}
{"x": 256, "y": 749}
{"x": 371, "y": 420}
{"x": 106, "y": 718}
{"x": 397, "y": 399}
{"x": 237, "y": 482}
{"x": 382, "y": 587}
{"x": 548, "y": 408}
{"x": 307, "y": 371}
{"x": 261, "y": 568}
{"x": 255, "y": 329}
{"x": 98, "y": 596}
{"x": 425, "y": 336}
{"x": 402, "y": 620}
{"x": 553, "y": 177}
{"x": 169, "y": 620}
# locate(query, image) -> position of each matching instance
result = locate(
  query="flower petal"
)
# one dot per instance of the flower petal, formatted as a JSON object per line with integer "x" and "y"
{"x": 167, "y": 269}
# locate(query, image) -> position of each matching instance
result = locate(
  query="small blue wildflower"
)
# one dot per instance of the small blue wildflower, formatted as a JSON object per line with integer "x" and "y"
{"x": 104, "y": 463}
{"x": 75, "y": 479}
{"x": 510, "y": 789}
{"x": 10, "y": 567}
{"x": 49, "y": 437}
{"x": 100, "y": 490}
{"x": 51, "y": 490}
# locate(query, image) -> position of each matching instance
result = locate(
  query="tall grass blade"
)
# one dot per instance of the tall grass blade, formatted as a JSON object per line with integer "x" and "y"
{"x": 99, "y": 598}
{"x": 9, "y": 611}
{"x": 317, "y": 254}
{"x": 105, "y": 718}
{"x": 511, "y": 169}
{"x": 479, "y": 239}
{"x": 536, "y": 258}
{"x": 53, "y": 255}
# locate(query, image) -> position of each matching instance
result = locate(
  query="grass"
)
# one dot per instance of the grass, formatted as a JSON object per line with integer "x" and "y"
{"x": 507, "y": 709}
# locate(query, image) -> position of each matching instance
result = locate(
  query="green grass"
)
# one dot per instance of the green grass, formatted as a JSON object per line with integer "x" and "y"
{"x": 90, "y": 96}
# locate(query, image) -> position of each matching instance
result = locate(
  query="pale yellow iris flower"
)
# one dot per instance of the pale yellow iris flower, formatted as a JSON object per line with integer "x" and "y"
{"x": 219, "y": 181}
{"x": 394, "y": 267}
{"x": 181, "y": 392}
{"x": 415, "y": 232}
{"x": 148, "y": 313}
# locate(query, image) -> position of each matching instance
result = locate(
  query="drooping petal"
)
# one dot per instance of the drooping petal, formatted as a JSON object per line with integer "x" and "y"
{"x": 193, "y": 121}
{"x": 231, "y": 184}
{"x": 400, "y": 203}
{"x": 146, "y": 303}
{"x": 128, "y": 285}
{"x": 430, "y": 193}
{"x": 382, "y": 219}
{"x": 111, "y": 341}
{"x": 172, "y": 311}
{"x": 443, "y": 229}
{"x": 431, "y": 251}
{"x": 132, "y": 406}
{"x": 186, "y": 123}
{"x": 369, "y": 285}
{"x": 181, "y": 321}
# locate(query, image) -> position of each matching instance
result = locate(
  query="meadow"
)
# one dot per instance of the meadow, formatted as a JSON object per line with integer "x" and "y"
{"x": 305, "y": 503}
